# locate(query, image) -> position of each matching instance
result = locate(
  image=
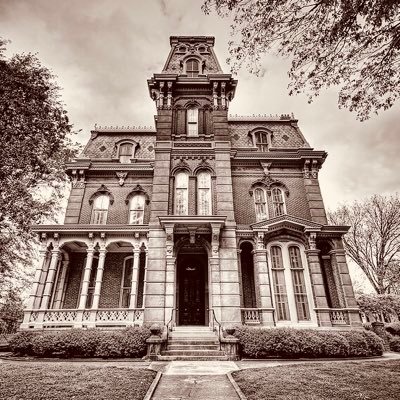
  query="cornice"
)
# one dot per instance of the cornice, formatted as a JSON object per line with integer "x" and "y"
{"x": 89, "y": 228}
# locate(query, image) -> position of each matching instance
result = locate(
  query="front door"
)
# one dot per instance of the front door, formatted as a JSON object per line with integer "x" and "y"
{"x": 192, "y": 293}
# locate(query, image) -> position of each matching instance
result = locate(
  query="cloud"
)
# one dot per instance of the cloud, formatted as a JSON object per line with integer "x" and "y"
{"x": 104, "y": 51}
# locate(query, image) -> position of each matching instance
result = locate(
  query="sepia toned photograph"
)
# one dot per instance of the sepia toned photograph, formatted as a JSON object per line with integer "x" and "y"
{"x": 199, "y": 200}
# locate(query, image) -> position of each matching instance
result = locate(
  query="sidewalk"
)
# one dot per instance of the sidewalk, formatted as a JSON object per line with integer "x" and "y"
{"x": 209, "y": 380}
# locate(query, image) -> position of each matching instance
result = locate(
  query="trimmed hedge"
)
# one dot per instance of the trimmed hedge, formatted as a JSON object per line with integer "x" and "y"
{"x": 394, "y": 342}
{"x": 393, "y": 328}
{"x": 130, "y": 342}
{"x": 307, "y": 343}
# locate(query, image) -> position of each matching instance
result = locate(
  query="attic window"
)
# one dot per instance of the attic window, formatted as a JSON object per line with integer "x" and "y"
{"x": 202, "y": 49}
{"x": 192, "y": 68}
{"x": 182, "y": 49}
{"x": 125, "y": 153}
{"x": 261, "y": 139}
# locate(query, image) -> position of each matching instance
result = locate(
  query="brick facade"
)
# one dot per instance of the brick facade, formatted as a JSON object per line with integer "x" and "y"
{"x": 267, "y": 227}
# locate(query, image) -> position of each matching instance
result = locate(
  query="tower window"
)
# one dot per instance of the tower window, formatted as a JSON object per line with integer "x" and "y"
{"x": 278, "y": 202}
{"x": 192, "y": 122}
{"x": 261, "y": 204}
{"x": 181, "y": 193}
{"x": 204, "y": 193}
{"x": 192, "y": 68}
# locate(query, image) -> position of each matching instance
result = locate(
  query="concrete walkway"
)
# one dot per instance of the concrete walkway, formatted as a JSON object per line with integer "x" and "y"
{"x": 208, "y": 380}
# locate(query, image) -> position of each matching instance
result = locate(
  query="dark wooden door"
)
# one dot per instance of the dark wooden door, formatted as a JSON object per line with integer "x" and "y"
{"x": 191, "y": 292}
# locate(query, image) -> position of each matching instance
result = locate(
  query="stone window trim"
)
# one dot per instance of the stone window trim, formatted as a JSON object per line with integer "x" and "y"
{"x": 138, "y": 189}
{"x": 261, "y": 138}
{"x": 102, "y": 190}
{"x": 119, "y": 147}
{"x": 289, "y": 282}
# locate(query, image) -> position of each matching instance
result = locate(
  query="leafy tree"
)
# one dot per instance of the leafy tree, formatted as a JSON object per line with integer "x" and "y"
{"x": 35, "y": 144}
{"x": 373, "y": 241}
{"x": 354, "y": 44}
{"x": 11, "y": 312}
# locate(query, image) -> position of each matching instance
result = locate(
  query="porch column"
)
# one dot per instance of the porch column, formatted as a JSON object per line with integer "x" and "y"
{"x": 145, "y": 279}
{"x": 55, "y": 254}
{"x": 135, "y": 276}
{"x": 317, "y": 282}
{"x": 34, "y": 299}
{"x": 99, "y": 278}
{"x": 86, "y": 278}
{"x": 169, "y": 291}
{"x": 264, "y": 284}
{"x": 59, "y": 292}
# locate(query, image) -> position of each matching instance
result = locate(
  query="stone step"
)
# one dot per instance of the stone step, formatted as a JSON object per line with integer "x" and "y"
{"x": 194, "y": 346}
{"x": 193, "y": 358}
{"x": 193, "y": 341}
{"x": 192, "y": 328}
{"x": 192, "y": 334}
{"x": 188, "y": 353}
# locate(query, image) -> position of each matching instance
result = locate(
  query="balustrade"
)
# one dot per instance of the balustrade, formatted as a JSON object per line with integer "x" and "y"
{"x": 251, "y": 316}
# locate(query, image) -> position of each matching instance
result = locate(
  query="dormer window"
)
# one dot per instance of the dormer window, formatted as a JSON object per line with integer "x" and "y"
{"x": 192, "y": 68}
{"x": 125, "y": 153}
{"x": 261, "y": 138}
{"x": 192, "y": 122}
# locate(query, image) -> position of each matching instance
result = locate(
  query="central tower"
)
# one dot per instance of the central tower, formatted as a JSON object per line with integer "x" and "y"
{"x": 192, "y": 265}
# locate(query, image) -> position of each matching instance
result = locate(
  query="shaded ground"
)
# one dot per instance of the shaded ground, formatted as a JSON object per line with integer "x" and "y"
{"x": 58, "y": 381}
{"x": 340, "y": 381}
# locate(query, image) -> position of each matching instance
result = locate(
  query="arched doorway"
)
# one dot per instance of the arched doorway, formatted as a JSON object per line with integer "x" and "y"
{"x": 192, "y": 286}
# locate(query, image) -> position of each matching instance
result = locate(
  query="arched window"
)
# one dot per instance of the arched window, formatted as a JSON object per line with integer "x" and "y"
{"x": 278, "y": 202}
{"x": 299, "y": 287}
{"x": 181, "y": 193}
{"x": 126, "y": 283}
{"x": 204, "y": 193}
{"x": 100, "y": 209}
{"x": 192, "y": 68}
{"x": 261, "y": 204}
{"x": 192, "y": 122}
{"x": 278, "y": 276}
{"x": 136, "y": 209}
{"x": 125, "y": 153}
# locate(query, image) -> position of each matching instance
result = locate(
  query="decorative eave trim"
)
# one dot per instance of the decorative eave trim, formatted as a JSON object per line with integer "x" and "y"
{"x": 88, "y": 228}
{"x": 308, "y": 226}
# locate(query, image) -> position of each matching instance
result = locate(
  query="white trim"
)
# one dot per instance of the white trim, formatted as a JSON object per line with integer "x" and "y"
{"x": 289, "y": 285}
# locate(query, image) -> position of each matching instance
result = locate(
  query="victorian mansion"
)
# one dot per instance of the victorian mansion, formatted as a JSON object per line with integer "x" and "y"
{"x": 205, "y": 215}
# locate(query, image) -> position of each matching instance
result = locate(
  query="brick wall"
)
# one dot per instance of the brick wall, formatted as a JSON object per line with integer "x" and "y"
{"x": 118, "y": 211}
{"x": 296, "y": 203}
{"x": 76, "y": 265}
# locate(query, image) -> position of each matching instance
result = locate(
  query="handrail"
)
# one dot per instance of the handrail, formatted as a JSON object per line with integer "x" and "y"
{"x": 170, "y": 321}
{"x": 219, "y": 326}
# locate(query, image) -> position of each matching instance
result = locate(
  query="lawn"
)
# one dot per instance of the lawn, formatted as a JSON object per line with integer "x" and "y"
{"x": 78, "y": 382}
{"x": 335, "y": 380}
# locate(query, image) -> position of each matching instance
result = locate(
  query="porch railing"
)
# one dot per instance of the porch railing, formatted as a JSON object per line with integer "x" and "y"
{"x": 339, "y": 316}
{"x": 251, "y": 316}
{"x": 108, "y": 317}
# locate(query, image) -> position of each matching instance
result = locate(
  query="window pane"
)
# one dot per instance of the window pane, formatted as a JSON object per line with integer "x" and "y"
{"x": 278, "y": 203}
{"x": 136, "y": 217}
{"x": 101, "y": 202}
{"x": 260, "y": 203}
{"x": 99, "y": 217}
{"x": 125, "y": 149}
{"x": 192, "y": 121}
{"x": 281, "y": 301}
{"x": 181, "y": 193}
{"x": 192, "y": 68}
{"x": 276, "y": 257}
{"x": 136, "y": 213}
{"x": 295, "y": 259}
{"x": 126, "y": 293}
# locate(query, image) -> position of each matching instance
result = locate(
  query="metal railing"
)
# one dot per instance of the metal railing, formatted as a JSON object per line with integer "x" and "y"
{"x": 214, "y": 319}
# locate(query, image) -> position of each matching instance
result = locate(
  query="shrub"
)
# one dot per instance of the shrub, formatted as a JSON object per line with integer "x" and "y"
{"x": 293, "y": 343}
{"x": 394, "y": 343}
{"x": 367, "y": 326}
{"x": 21, "y": 343}
{"x": 82, "y": 343}
{"x": 393, "y": 328}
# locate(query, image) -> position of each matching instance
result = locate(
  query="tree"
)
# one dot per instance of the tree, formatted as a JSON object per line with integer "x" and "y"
{"x": 11, "y": 312}
{"x": 373, "y": 241}
{"x": 353, "y": 44}
{"x": 35, "y": 144}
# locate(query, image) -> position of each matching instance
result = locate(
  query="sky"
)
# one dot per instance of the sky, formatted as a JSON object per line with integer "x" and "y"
{"x": 103, "y": 52}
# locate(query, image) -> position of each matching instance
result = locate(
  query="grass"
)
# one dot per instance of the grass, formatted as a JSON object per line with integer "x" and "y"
{"x": 339, "y": 380}
{"x": 78, "y": 382}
